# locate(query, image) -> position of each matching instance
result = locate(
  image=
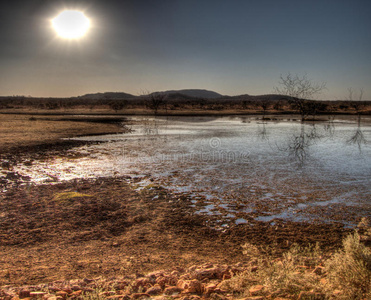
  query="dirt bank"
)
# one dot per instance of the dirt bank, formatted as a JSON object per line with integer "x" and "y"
{"x": 19, "y": 132}
{"x": 109, "y": 227}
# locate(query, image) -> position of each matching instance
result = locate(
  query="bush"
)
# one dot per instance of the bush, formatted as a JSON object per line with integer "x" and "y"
{"x": 350, "y": 269}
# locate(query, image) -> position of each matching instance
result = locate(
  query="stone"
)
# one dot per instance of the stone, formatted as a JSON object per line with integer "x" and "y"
{"x": 161, "y": 281}
{"x": 37, "y": 294}
{"x": 210, "y": 288}
{"x": 139, "y": 295}
{"x": 210, "y": 273}
{"x": 24, "y": 294}
{"x": 156, "y": 274}
{"x": 190, "y": 286}
{"x": 194, "y": 286}
{"x": 75, "y": 287}
{"x": 172, "y": 290}
{"x": 141, "y": 282}
{"x": 76, "y": 293}
{"x": 63, "y": 294}
{"x": 256, "y": 289}
{"x": 68, "y": 291}
{"x": 155, "y": 290}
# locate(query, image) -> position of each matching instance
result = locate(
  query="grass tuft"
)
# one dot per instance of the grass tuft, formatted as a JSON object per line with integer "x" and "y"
{"x": 307, "y": 272}
{"x": 350, "y": 269}
{"x": 69, "y": 196}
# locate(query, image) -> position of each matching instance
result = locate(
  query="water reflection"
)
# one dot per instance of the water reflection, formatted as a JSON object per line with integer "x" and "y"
{"x": 358, "y": 137}
{"x": 329, "y": 127}
{"x": 298, "y": 144}
{"x": 262, "y": 131}
{"x": 233, "y": 162}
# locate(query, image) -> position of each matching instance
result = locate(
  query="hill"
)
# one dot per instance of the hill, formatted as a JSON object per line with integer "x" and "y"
{"x": 194, "y": 93}
{"x": 108, "y": 95}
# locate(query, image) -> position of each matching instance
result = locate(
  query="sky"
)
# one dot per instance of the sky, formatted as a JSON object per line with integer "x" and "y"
{"x": 231, "y": 47}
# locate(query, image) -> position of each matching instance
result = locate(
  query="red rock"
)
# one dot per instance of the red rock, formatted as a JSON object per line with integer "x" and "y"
{"x": 210, "y": 288}
{"x": 76, "y": 293}
{"x": 141, "y": 282}
{"x": 37, "y": 294}
{"x": 210, "y": 273}
{"x": 156, "y": 274}
{"x": 256, "y": 289}
{"x": 194, "y": 286}
{"x": 68, "y": 291}
{"x": 139, "y": 295}
{"x": 76, "y": 287}
{"x": 155, "y": 290}
{"x": 24, "y": 294}
{"x": 171, "y": 290}
{"x": 185, "y": 277}
{"x": 161, "y": 281}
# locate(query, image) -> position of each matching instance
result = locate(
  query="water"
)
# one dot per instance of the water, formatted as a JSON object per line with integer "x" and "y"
{"x": 237, "y": 167}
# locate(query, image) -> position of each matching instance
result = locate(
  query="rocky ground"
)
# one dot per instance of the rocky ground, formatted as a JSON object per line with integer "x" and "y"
{"x": 196, "y": 282}
{"x": 112, "y": 228}
{"x": 106, "y": 238}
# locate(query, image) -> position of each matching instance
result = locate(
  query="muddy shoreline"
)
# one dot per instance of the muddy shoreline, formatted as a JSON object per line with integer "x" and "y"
{"x": 66, "y": 230}
{"x": 107, "y": 227}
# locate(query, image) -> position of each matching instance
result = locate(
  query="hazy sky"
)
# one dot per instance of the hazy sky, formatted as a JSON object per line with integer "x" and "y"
{"x": 232, "y": 47}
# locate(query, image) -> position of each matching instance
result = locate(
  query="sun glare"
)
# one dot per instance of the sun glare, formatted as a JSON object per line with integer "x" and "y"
{"x": 71, "y": 24}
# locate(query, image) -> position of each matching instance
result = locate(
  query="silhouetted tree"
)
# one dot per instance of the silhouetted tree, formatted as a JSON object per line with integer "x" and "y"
{"x": 117, "y": 105}
{"x": 299, "y": 90}
{"x": 355, "y": 104}
{"x": 155, "y": 101}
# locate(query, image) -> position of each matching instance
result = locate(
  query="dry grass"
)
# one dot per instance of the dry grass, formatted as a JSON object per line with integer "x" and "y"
{"x": 350, "y": 269}
{"x": 307, "y": 271}
{"x": 24, "y": 130}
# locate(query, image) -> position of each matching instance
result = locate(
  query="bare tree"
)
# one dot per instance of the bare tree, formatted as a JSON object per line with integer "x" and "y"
{"x": 356, "y": 104}
{"x": 155, "y": 101}
{"x": 117, "y": 105}
{"x": 298, "y": 91}
{"x": 264, "y": 105}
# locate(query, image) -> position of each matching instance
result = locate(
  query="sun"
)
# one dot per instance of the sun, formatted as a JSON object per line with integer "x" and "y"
{"x": 71, "y": 24}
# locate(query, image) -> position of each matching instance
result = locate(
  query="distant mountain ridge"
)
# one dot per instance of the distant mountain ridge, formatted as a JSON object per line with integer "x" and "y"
{"x": 193, "y": 93}
{"x": 108, "y": 95}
